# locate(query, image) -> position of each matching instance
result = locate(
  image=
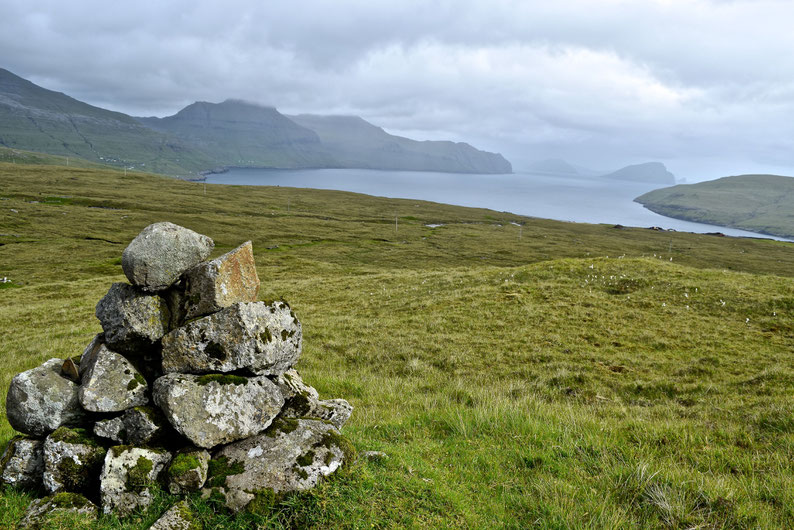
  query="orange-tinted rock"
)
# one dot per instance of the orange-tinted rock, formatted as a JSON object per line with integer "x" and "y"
{"x": 221, "y": 282}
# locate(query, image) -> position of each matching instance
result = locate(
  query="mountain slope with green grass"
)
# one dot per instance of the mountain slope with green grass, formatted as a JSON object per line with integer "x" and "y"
{"x": 759, "y": 203}
{"x": 36, "y": 119}
{"x": 559, "y": 376}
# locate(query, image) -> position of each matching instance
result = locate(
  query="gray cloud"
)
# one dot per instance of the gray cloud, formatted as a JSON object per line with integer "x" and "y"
{"x": 704, "y": 86}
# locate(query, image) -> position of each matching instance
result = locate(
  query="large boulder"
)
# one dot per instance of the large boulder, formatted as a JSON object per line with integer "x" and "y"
{"x": 47, "y": 512}
{"x": 159, "y": 255}
{"x": 22, "y": 463}
{"x": 72, "y": 460}
{"x": 133, "y": 321}
{"x": 42, "y": 399}
{"x": 110, "y": 383}
{"x": 258, "y": 337}
{"x": 221, "y": 282}
{"x": 128, "y": 477}
{"x": 214, "y": 409}
{"x": 292, "y": 455}
{"x": 302, "y": 400}
{"x": 188, "y": 471}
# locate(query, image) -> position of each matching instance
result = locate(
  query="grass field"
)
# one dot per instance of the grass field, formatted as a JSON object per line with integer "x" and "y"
{"x": 578, "y": 376}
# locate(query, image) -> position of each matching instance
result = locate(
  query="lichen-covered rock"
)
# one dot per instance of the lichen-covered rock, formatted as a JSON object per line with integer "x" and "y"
{"x": 188, "y": 471}
{"x": 256, "y": 336}
{"x": 111, "y": 383}
{"x": 302, "y": 400}
{"x": 133, "y": 321}
{"x": 292, "y": 455}
{"x": 128, "y": 476}
{"x": 41, "y": 400}
{"x": 221, "y": 282}
{"x": 217, "y": 408}
{"x": 159, "y": 255}
{"x": 72, "y": 460}
{"x": 144, "y": 425}
{"x": 177, "y": 517}
{"x": 22, "y": 463}
{"x": 45, "y": 512}
{"x": 111, "y": 429}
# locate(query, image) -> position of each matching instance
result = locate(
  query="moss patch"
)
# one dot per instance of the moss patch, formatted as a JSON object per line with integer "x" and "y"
{"x": 281, "y": 425}
{"x": 264, "y": 500}
{"x": 306, "y": 459}
{"x": 222, "y": 379}
{"x": 136, "y": 381}
{"x": 74, "y": 435}
{"x": 67, "y": 500}
{"x": 333, "y": 439}
{"x": 266, "y": 336}
{"x": 219, "y": 469}
{"x": 183, "y": 463}
{"x": 299, "y": 404}
{"x": 138, "y": 475}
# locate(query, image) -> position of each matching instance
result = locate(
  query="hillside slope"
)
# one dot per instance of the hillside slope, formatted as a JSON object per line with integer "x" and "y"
{"x": 354, "y": 142}
{"x": 759, "y": 203}
{"x": 575, "y": 377}
{"x": 36, "y": 119}
{"x": 236, "y": 133}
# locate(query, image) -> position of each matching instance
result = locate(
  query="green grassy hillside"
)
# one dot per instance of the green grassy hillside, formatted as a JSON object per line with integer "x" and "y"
{"x": 759, "y": 203}
{"x": 556, "y": 375}
{"x": 36, "y": 119}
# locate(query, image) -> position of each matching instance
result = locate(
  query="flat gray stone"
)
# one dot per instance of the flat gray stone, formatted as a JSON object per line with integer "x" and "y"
{"x": 128, "y": 475}
{"x": 45, "y": 512}
{"x": 161, "y": 253}
{"x": 144, "y": 425}
{"x": 110, "y": 382}
{"x": 221, "y": 282}
{"x": 72, "y": 460}
{"x": 302, "y": 400}
{"x": 188, "y": 471}
{"x": 214, "y": 409}
{"x": 261, "y": 338}
{"x": 41, "y": 400}
{"x": 111, "y": 429}
{"x": 133, "y": 321}
{"x": 292, "y": 455}
{"x": 22, "y": 463}
{"x": 177, "y": 517}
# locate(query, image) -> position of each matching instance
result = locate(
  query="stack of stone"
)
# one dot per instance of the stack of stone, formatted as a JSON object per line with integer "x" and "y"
{"x": 190, "y": 386}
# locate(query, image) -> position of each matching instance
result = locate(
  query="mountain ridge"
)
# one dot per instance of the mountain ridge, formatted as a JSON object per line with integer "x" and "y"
{"x": 204, "y": 136}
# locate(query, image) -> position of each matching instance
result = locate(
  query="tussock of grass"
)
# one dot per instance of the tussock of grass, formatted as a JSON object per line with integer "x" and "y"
{"x": 546, "y": 385}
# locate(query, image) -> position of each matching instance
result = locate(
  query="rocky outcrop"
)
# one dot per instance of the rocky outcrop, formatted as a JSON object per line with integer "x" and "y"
{"x": 42, "y": 399}
{"x": 48, "y": 509}
{"x": 132, "y": 320}
{"x": 72, "y": 460}
{"x": 222, "y": 382}
{"x": 213, "y": 409}
{"x": 290, "y": 456}
{"x": 128, "y": 475}
{"x": 261, "y": 338}
{"x": 161, "y": 253}
{"x": 224, "y": 281}
{"x": 22, "y": 463}
{"x": 188, "y": 471}
{"x": 110, "y": 383}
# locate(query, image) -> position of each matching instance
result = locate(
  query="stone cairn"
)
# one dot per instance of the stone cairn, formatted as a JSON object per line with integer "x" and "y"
{"x": 191, "y": 387}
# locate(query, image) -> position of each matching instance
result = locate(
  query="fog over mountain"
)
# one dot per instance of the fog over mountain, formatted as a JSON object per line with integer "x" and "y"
{"x": 700, "y": 85}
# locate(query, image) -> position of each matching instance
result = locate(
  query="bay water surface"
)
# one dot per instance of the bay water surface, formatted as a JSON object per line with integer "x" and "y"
{"x": 577, "y": 199}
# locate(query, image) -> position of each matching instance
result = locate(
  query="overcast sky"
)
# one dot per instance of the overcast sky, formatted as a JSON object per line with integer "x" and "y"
{"x": 705, "y": 86}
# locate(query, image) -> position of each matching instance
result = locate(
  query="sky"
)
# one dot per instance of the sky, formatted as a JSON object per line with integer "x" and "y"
{"x": 705, "y": 86}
